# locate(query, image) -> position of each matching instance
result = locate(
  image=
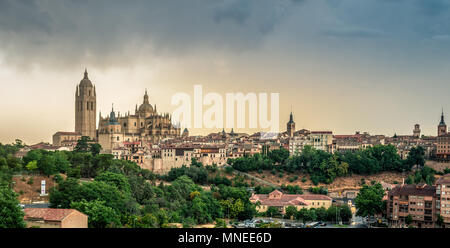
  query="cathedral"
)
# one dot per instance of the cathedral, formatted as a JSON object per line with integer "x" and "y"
{"x": 146, "y": 125}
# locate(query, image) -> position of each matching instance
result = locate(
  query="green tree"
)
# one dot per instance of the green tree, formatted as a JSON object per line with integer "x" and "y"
{"x": 11, "y": 215}
{"x": 99, "y": 215}
{"x": 82, "y": 144}
{"x": 95, "y": 148}
{"x": 119, "y": 180}
{"x": 290, "y": 212}
{"x": 369, "y": 200}
{"x": 47, "y": 164}
{"x": 32, "y": 165}
{"x": 408, "y": 219}
{"x": 440, "y": 220}
{"x": 416, "y": 157}
{"x": 272, "y": 212}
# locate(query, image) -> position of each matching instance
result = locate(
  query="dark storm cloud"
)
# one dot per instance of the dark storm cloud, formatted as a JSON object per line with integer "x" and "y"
{"x": 353, "y": 32}
{"x": 66, "y": 32}
{"x": 23, "y": 16}
{"x": 72, "y": 32}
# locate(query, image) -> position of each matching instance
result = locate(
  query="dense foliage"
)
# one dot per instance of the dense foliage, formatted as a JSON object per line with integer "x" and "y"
{"x": 11, "y": 215}
{"x": 333, "y": 213}
{"x": 369, "y": 200}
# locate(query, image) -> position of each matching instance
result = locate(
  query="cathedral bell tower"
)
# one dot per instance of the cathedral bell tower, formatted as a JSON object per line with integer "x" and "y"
{"x": 85, "y": 108}
{"x": 290, "y": 126}
{"x": 442, "y": 127}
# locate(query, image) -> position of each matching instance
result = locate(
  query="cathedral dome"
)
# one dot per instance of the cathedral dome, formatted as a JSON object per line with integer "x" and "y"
{"x": 146, "y": 108}
{"x": 85, "y": 81}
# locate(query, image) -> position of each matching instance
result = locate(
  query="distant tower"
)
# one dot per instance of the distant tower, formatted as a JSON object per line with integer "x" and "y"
{"x": 185, "y": 133}
{"x": 85, "y": 108}
{"x": 290, "y": 126}
{"x": 416, "y": 131}
{"x": 442, "y": 128}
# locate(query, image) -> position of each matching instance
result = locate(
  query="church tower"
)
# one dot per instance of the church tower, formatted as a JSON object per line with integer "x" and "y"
{"x": 85, "y": 108}
{"x": 290, "y": 126}
{"x": 442, "y": 128}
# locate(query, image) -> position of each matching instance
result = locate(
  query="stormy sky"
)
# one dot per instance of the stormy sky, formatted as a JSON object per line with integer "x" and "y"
{"x": 344, "y": 65}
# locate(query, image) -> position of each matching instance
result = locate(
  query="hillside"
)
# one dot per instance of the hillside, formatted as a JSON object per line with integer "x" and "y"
{"x": 29, "y": 191}
{"x": 340, "y": 183}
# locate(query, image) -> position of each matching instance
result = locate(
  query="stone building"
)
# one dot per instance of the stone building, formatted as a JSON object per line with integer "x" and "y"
{"x": 85, "y": 108}
{"x": 442, "y": 127}
{"x": 416, "y": 131}
{"x": 443, "y": 199}
{"x": 415, "y": 200}
{"x": 290, "y": 126}
{"x": 67, "y": 139}
{"x": 145, "y": 125}
{"x": 281, "y": 201}
{"x": 55, "y": 218}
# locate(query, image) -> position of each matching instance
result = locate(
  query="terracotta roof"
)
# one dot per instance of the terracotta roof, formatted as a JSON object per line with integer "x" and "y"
{"x": 49, "y": 214}
{"x": 443, "y": 179}
{"x": 413, "y": 189}
{"x": 276, "y": 198}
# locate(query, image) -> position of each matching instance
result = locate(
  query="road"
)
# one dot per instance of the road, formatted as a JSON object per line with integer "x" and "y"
{"x": 257, "y": 179}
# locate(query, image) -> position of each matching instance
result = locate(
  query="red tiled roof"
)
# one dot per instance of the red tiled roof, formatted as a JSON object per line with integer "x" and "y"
{"x": 412, "y": 189}
{"x": 276, "y": 198}
{"x": 49, "y": 214}
{"x": 321, "y": 132}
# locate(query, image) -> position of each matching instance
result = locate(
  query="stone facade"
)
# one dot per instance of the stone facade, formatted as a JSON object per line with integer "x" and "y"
{"x": 85, "y": 108}
{"x": 55, "y": 218}
{"x": 67, "y": 139}
{"x": 145, "y": 125}
{"x": 281, "y": 201}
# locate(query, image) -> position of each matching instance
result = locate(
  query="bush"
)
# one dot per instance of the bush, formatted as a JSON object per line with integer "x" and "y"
{"x": 229, "y": 169}
{"x": 30, "y": 181}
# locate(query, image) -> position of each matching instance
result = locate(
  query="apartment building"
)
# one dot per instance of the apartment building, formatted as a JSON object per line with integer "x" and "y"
{"x": 443, "y": 198}
{"x": 417, "y": 201}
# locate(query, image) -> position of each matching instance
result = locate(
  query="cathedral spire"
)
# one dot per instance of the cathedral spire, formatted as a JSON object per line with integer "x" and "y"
{"x": 85, "y": 73}
{"x": 146, "y": 97}
{"x": 442, "y": 118}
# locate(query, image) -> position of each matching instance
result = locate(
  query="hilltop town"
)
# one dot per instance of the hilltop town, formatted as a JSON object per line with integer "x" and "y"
{"x": 296, "y": 174}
